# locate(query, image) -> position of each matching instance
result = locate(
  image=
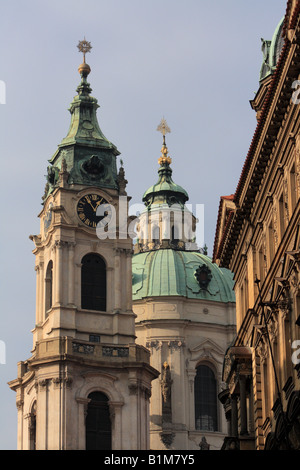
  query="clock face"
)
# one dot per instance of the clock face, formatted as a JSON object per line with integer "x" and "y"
{"x": 87, "y": 209}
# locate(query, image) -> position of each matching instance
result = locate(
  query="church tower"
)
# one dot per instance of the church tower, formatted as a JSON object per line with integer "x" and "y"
{"x": 87, "y": 384}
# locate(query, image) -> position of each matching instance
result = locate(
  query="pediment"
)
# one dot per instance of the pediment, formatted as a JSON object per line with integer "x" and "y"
{"x": 207, "y": 349}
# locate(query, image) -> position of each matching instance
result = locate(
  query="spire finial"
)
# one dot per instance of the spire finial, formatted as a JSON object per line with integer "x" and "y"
{"x": 84, "y": 47}
{"x": 164, "y": 129}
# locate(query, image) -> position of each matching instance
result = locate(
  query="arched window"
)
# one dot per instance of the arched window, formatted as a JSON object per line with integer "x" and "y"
{"x": 174, "y": 234}
{"x": 49, "y": 287}
{"x": 32, "y": 428}
{"x": 206, "y": 414}
{"x": 98, "y": 425}
{"x": 93, "y": 283}
{"x": 155, "y": 233}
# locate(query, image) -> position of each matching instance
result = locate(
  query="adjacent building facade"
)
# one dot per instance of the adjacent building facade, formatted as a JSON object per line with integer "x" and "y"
{"x": 258, "y": 239}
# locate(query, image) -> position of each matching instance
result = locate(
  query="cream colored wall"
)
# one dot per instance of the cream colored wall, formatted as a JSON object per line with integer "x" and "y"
{"x": 61, "y": 409}
{"x": 65, "y": 243}
{"x": 184, "y": 333}
{"x": 57, "y": 376}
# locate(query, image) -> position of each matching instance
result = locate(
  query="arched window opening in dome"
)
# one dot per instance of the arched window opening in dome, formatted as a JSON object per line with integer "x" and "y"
{"x": 156, "y": 233}
{"x": 175, "y": 234}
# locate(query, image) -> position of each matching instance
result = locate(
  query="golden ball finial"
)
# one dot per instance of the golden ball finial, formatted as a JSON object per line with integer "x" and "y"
{"x": 84, "y": 69}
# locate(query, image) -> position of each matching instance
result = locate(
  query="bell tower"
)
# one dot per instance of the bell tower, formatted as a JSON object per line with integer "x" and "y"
{"x": 87, "y": 383}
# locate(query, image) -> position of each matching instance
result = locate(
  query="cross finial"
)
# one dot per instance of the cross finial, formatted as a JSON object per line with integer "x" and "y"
{"x": 84, "y": 47}
{"x": 163, "y": 127}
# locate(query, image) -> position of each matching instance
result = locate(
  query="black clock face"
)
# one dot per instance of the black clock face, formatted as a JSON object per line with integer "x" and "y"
{"x": 87, "y": 209}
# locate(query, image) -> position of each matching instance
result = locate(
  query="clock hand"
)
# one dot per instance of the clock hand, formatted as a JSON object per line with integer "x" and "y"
{"x": 91, "y": 204}
{"x": 97, "y": 204}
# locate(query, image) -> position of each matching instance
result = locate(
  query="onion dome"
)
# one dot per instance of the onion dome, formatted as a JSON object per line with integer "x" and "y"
{"x": 165, "y": 191}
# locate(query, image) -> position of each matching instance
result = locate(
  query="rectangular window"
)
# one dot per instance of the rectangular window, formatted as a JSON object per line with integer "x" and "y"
{"x": 94, "y": 339}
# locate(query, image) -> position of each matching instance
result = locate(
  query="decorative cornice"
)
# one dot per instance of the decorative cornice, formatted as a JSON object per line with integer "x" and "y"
{"x": 233, "y": 230}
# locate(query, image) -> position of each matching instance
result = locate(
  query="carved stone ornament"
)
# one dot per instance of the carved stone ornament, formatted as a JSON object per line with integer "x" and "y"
{"x": 83, "y": 348}
{"x": 122, "y": 182}
{"x": 63, "y": 174}
{"x": 176, "y": 344}
{"x": 166, "y": 389}
{"x": 94, "y": 167}
{"x": 262, "y": 350}
{"x": 43, "y": 384}
{"x": 203, "y": 444}
{"x": 111, "y": 351}
{"x": 227, "y": 367}
{"x": 157, "y": 345}
{"x": 273, "y": 329}
{"x": 204, "y": 276}
{"x": 52, "y": 175}
{"x": 167, "y": 438}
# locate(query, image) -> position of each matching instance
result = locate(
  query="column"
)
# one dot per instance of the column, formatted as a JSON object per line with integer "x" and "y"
{"x": 243, "y": 405}
{"x": 77, "y": 284}
{"x": 191, "y": 373}
{"x": 21, "y": 424}
{"x": 117, "y": 280}
{"x": 234, "y": 416}
{"x": 82, "y": 412}
{"x": 129, "y": 280}
{"x": 71, "y": 272}
{"x": 115, "y": 411}
{"x": 58, "y": 273}
{"x": 42, "y": 415}
{"x": 37, "y": 298}
{"x": 110, "y": 289}
{"x": 41, "y": 317}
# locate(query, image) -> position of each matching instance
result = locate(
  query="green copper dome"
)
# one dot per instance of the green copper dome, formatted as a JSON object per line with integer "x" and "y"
{"x": 168, "y": 272}
{"x": 165, "y": 190}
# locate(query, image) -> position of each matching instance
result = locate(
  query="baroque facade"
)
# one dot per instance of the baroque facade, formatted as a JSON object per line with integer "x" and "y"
{"x": 87, "y": 383}
{"x": 185, "y": 308}
{"x": 113, "y": 328}
{"x": 258, "y": 238}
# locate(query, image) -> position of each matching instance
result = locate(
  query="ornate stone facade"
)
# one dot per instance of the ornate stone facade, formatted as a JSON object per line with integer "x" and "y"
{"x": 84, "y": 358}
{"x": 185, "y": 311}
{"x": 260, "y": 241}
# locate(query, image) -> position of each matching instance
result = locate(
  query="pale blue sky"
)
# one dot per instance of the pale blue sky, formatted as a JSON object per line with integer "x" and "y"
{"x": 195, "y": 62}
